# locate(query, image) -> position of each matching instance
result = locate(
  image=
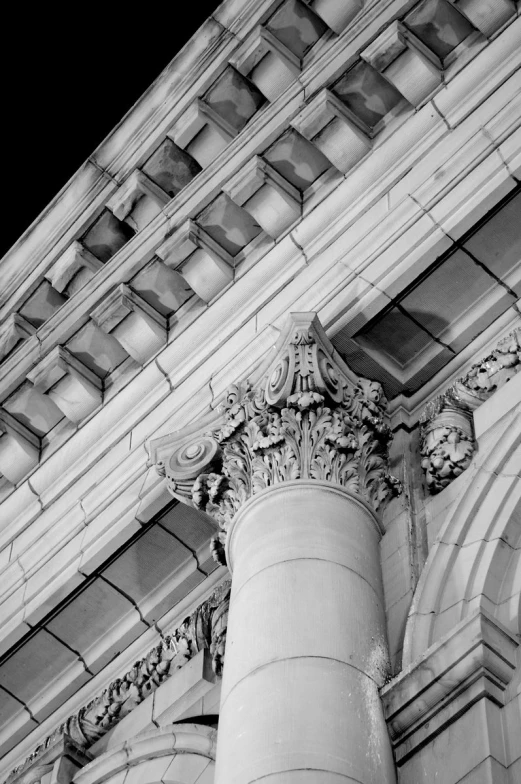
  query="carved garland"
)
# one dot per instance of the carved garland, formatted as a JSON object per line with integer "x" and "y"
{"x": 447, "y": 437}
{"x": 204, "y": 628}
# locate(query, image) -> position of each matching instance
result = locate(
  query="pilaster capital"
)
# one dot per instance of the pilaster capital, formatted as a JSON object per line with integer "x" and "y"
{"x": 304, "y": 415}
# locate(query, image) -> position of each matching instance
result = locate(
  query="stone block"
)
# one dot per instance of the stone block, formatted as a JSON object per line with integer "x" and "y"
{"x": 336, "y": 15}
{"x": 453, "y": 678}
{"x": 75, "y": 262}
{"x": 408, "y": 64}
{"x": 205, "y": 265}
{"x": 171, "y": 168}
{"x": 187, "y": 768}
{"x": 270, "y": 65}
{"x": 267, "y": 196}
{"x": 163, "y": 288}
{"x": 201, "y": 133}
{"x": 106, "y": 236}
{"x": 333, "y": 129}
{"x": 136, "y": 188}
{"x": 174, "y": 697}
{"x": 14, "y": 329}
{"x": 135, "y": 324}
{"x": 70, "y": 384}
{"x": 296, "y": 26}
{"x": 19, "y": 448}
{"x": 487, "y": 16}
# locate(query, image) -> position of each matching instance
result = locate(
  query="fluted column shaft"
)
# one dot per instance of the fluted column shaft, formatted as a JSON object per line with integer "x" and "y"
{"x": 306, "y": 646}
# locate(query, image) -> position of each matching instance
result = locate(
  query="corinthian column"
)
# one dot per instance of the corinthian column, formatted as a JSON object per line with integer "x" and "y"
{"x": 294, "y": 469}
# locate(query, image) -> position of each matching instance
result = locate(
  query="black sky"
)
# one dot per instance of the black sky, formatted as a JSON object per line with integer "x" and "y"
{"x": 67, "y": 81}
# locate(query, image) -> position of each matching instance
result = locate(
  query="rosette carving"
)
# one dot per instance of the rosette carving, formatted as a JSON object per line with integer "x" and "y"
{"x": 308, "y": 417}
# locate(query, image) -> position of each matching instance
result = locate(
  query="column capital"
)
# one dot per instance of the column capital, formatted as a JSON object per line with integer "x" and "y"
{"x": 304, "y": 415}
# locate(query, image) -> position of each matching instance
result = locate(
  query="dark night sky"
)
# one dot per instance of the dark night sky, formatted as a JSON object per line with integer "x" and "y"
{"x": 67, "y": 82}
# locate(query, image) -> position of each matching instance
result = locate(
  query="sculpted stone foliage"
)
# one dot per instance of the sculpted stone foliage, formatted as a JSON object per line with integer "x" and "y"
{"x": 308, "y": 418}
{"x": 447, "y": 439}
{"x": 204, "y": 628}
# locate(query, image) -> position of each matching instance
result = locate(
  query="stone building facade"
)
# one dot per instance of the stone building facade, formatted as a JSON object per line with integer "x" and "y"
{"x": 260, "y": 415}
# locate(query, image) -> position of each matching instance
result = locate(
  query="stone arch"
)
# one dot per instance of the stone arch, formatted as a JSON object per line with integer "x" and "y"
{"x": 475, "y": 561}
{"x": 176, "y": 754}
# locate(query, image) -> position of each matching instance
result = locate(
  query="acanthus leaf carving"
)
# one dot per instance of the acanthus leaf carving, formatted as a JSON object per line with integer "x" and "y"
{"x": 307, "y": 417}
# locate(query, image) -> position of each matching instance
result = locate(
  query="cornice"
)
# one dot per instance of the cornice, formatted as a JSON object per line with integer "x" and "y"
{"x": 227, "y": 339}
{"x": 239, "y": 311}
{"x": 187, "y": 76}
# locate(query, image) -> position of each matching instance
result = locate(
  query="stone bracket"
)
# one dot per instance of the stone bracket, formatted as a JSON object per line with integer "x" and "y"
{"x": 205, "y": 265}
{"x": 138, "y": 327}
{"x": 336, "y": 15}
{"x": 75, "y": 389}
{"x": 487, "y": 17}
{"x": 134, "y": 187}
{"x": 14, "y": 329}
{"x": 19, "y": 448}
{"x": 334, "y": 130}
{"x": 194, "y": 119}
{"x": 75, "y": 258}
{"x": 280, "y": 67}
{"x": 267, "y": 196}
{"x": 476, "y": 659}
{"x": 406, "y": 62}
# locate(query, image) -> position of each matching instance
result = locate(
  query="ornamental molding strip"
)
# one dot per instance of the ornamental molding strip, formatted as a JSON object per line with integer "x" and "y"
{"x": 446, "y": 427}
{"x": 206, "y": 627}
{"x": 305, "y": 416}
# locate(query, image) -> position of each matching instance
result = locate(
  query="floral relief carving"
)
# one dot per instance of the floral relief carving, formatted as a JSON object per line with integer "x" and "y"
{"x": 205, "y": 628}
{"x": 447, "y": 438}
{"x": 308, "y": 418}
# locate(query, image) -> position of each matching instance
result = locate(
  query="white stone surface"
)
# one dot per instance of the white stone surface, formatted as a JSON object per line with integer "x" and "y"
{"x": 297, "y": 552}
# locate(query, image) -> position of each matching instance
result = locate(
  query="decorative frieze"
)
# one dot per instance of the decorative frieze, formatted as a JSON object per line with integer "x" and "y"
{"x": 204, "y": 628}
{"x": 447, "y": 437}
{"x": 308, "y": 417}
{"x": 135, "y": 324}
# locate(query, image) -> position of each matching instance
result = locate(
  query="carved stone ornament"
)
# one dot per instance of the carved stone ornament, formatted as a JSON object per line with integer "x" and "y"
{"x": 447, "y": 437}
{"x": 205, "y": 628}
{"x": 307, "y": 416}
